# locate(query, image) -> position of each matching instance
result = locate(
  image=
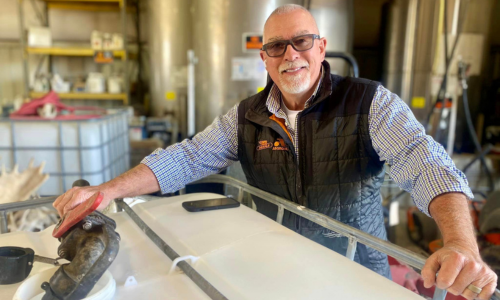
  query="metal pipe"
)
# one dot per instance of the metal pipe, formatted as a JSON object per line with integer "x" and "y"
{"x": 452, "y": 126}
{"x": 140, "y": 82}
{"x": 351, "y": 248}
{"x": 191, "y": 129}
{"x": 4, "y": 225}
{"x": 240, "y": 195}
{"x": 21, "y": 205}
{"x": 347, "y": 57}
{"x": 126, "y": 79}
{"x": 23, "y": 49}
{"x": 61, "y": 156}
{"x": 281, "y": 212}
{"x": 456, "y": 15}
{"x": 80, "y": 153}
{"x": 439, "y": 294}
{"x": 408, "y": 56}
{"x": 13, "y": 139}
{"x": 201, "y": 282}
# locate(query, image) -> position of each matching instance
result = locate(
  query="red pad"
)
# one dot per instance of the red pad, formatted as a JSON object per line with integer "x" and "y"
{"x": 77, "y": 214}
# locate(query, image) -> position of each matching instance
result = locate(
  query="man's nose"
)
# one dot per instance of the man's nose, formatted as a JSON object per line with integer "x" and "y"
{"x": 290, "y": 53}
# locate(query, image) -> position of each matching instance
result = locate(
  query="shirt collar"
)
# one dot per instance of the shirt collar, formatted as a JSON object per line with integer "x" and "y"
{"x": 273, "y": 102}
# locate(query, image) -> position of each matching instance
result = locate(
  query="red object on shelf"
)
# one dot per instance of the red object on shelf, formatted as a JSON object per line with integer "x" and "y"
{"x": 29, "y": 111}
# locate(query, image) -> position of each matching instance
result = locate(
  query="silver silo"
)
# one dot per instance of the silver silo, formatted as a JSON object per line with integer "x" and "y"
{"x": 335, "y": 23}
{"x": 169, "y": 30}
{"x": 226, "y": 74}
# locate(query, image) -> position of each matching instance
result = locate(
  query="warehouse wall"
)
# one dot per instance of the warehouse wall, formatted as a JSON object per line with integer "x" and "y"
{"x": 66, "y": 26}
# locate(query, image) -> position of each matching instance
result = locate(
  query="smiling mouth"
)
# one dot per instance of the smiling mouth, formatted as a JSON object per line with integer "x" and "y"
{"x": 293, "y": 70}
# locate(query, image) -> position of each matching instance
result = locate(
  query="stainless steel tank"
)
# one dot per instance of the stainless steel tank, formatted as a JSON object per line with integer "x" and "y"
{"x": 218, "y": 29}
{"x": 335, "y": 23}
{"x": 169, "y": 30}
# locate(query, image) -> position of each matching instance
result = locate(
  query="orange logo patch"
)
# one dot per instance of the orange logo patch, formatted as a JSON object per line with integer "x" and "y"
{"x": 280, "y": 145}
{"x": 264, "y": 145}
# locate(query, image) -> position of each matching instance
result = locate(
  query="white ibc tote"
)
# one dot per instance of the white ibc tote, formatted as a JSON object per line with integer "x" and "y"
{"x": 95, "y": 149}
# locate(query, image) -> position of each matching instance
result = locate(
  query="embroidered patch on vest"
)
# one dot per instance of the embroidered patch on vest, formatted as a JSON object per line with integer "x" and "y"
{"x": 280, "y": 145}
{"x": 264, "y": 145}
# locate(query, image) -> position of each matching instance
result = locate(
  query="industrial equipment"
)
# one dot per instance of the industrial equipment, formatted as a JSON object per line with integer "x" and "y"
{"x": 234, "y": 253}
{"x": 88, "y": 240}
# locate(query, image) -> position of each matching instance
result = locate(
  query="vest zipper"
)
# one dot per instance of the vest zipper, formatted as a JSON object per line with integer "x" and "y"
{"x": 298, "y": 184}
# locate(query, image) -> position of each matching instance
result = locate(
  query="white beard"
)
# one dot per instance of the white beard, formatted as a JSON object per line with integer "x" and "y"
{"x": 295, "y": 84}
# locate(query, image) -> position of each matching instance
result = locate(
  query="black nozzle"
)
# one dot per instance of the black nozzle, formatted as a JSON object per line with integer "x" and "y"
{"x": 81, "y": 182}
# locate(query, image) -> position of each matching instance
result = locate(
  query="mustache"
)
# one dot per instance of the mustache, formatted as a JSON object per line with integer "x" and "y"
{"x": 293, "y": 65}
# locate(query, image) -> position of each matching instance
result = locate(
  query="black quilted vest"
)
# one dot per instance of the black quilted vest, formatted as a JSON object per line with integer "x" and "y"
{"x": 338, "y": 172}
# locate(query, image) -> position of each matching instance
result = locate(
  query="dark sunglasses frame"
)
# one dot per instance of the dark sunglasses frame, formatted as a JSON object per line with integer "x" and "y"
{"x": 290, "y": 42}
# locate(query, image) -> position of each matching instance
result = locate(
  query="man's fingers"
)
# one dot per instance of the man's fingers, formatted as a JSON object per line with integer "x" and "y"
{"x": 488, "y": 290}
{"x": 71, "y": 204}
{"x": 451, "y": 265}
{"x": 62, "y": 200}
{"x": 56, "y": 203}
{"x": 429, "y": 271}
{"x": 76, "y": 199}
{"x": 479, "y": 275}
{"x": 466, "y": 274}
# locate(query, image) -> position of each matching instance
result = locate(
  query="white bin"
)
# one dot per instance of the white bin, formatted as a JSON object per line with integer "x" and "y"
{"x": 96, "y": 150}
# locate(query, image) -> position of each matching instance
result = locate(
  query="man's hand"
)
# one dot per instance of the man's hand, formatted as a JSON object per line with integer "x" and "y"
{"x": 458, "y": 262}
{"x": 137, "y": 181}
{"x": 459, "y": 266}
{"x": 76, "y": 196}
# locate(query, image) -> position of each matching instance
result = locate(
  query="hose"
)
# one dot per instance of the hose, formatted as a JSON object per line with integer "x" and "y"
{"x": 470, "y": 126}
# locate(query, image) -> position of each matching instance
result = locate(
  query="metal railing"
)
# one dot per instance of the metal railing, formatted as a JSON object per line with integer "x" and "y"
{"x": 354, "y": 235}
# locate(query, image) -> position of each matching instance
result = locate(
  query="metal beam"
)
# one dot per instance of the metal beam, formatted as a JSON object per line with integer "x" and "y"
{"x": 201, "y": 282}
{"x": 15, "y": 206}
{"x": 4, "y": 225}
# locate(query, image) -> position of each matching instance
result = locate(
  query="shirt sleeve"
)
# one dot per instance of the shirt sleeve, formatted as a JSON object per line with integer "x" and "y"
{"x": 419, "y": 164}
{"x": 208, "y": 152}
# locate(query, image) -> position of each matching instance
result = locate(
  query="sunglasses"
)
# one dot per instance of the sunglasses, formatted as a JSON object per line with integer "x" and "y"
{"x": 299, "y": 43}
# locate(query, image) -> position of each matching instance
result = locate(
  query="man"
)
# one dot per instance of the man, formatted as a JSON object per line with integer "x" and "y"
{"x": 321, "y": 140}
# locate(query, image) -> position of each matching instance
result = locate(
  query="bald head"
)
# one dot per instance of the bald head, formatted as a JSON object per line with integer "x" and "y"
{"x": 289, "y": 9}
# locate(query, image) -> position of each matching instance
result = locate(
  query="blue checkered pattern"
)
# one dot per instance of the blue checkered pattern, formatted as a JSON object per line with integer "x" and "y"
{"x": 419, "y": 164}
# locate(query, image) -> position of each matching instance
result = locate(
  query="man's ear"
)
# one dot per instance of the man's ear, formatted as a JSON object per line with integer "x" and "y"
{"x": 263, "y": 57}
{"x": 322, "y": 47}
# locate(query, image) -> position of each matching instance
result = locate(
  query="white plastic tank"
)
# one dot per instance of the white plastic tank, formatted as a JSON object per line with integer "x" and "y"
{"x": 94, "y": 149}
{"x": 31, "y": 289}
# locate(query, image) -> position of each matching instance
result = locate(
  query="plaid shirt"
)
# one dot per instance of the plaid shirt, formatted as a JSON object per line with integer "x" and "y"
{"x": 420, "y": 165}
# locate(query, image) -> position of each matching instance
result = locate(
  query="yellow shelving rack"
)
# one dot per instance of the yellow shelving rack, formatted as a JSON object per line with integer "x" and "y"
{"x": 85, "y": 5}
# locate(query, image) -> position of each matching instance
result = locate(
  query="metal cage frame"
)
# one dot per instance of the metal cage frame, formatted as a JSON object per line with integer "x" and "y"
{"x": 354, "y": 235}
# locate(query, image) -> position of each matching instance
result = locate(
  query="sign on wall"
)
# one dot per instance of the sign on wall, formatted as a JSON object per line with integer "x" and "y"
{"x": 252, "y": 42}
